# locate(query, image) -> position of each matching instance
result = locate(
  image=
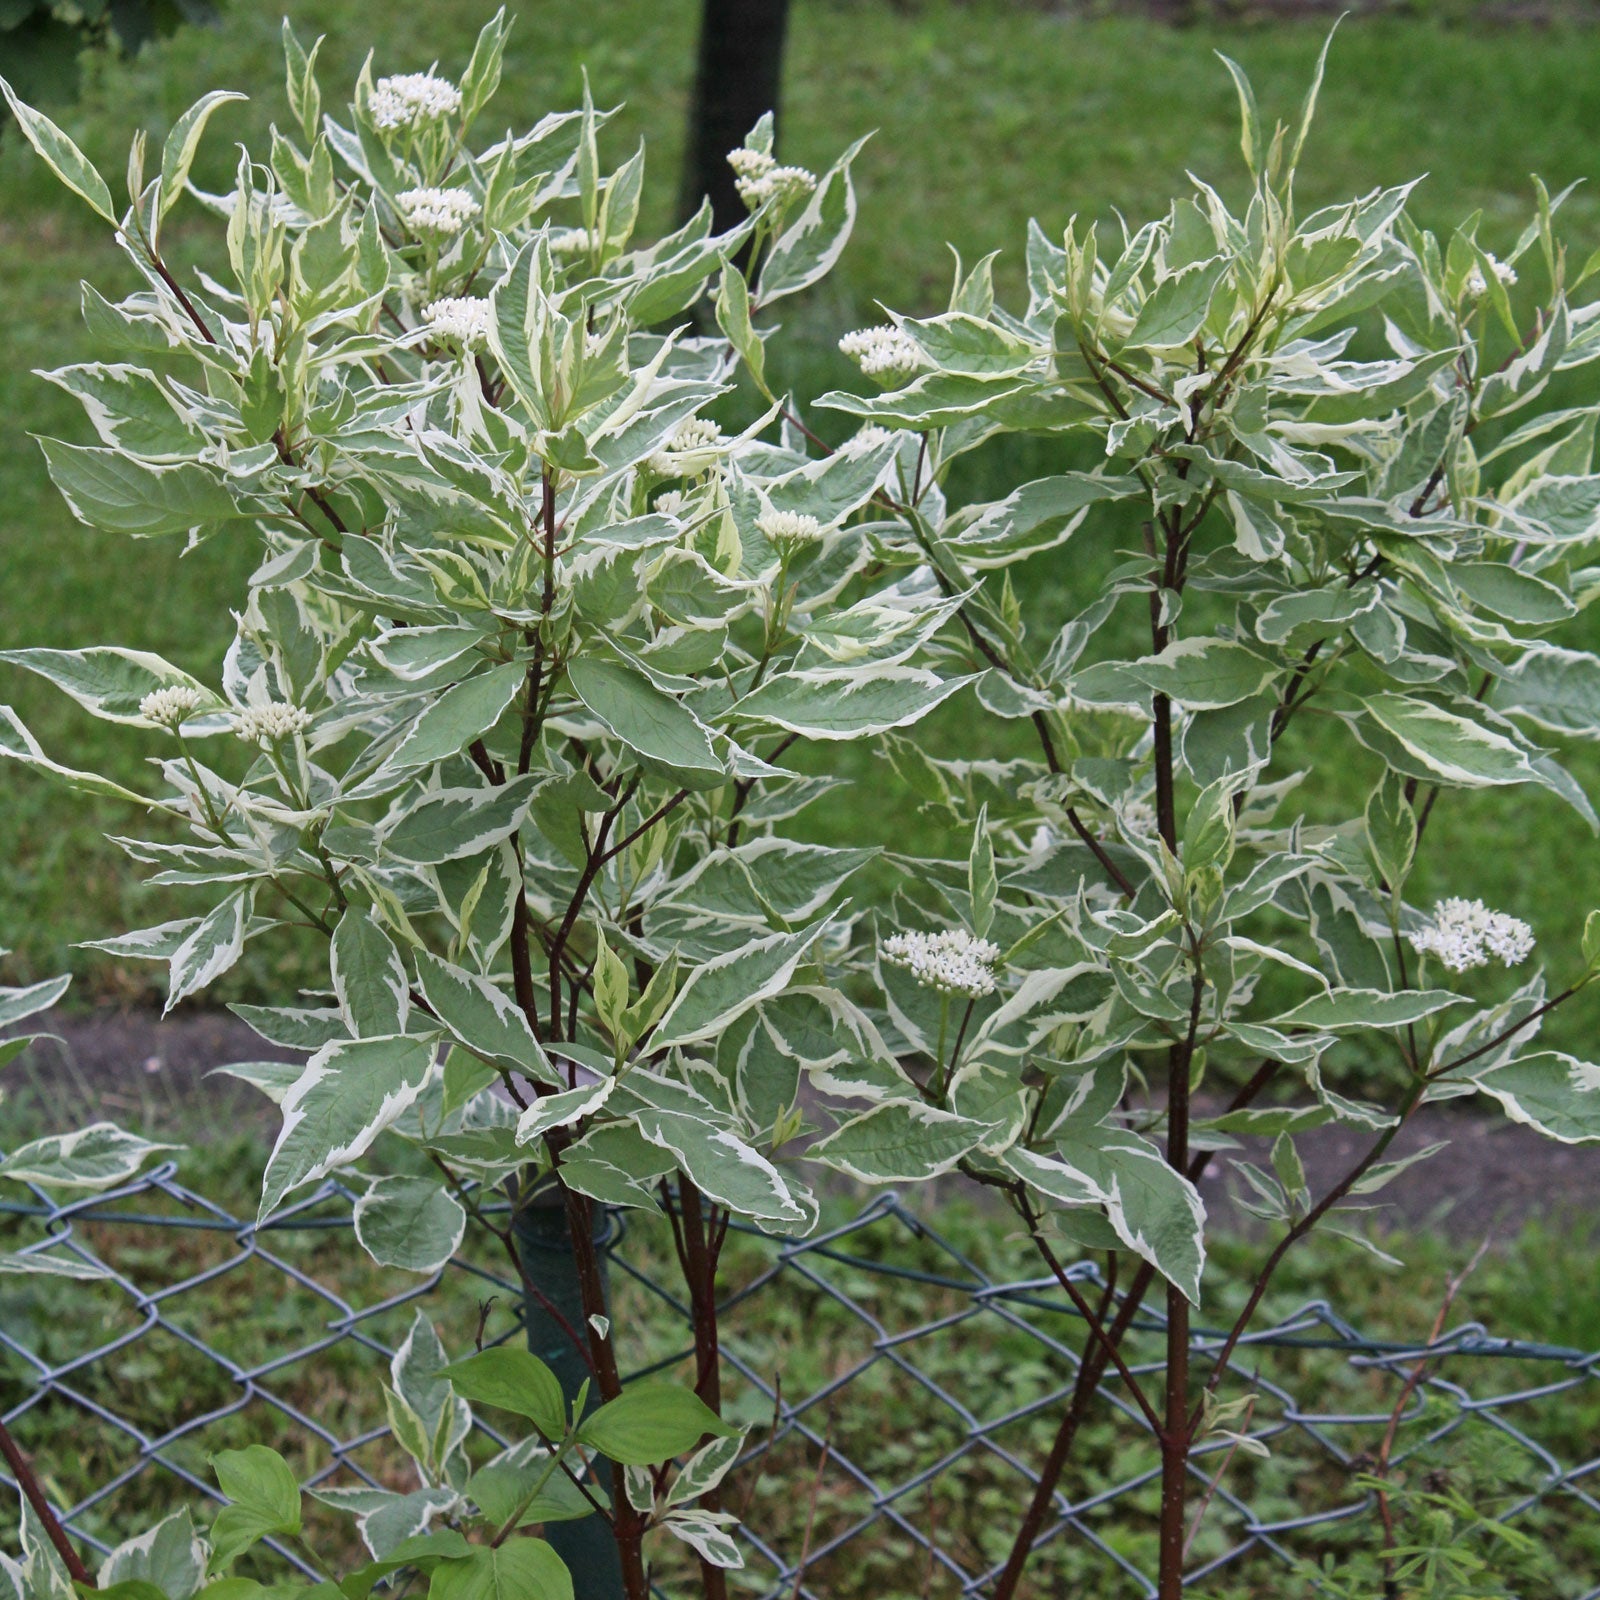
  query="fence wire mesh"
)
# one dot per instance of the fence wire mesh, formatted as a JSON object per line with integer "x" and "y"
{"x": 901, "y": 1401}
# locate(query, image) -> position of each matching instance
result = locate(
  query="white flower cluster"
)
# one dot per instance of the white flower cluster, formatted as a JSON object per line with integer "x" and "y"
{"x": 271, "y": 723}
{"x": 748, "y": 163}
{"x": 758, "y": 177}
{"x": 1139, "y": 820}
{"x": 570, "y": 241}
{"x": 952, "y": 961}
{"x": 464, "y": 317}
{"x": 883, "y": 352}
{"x": 869, "y": 438}
{"x": 1478, "y": 285}
{"x": 170, "y": 707}
{"x": 687, "y": 439}
{"x": 443, "y": 211}
{"x": 1465, "y": 933}
{"x": 671, "y": 503}
{"x": 410, "y": 98}
{"x": 788, "y": 530}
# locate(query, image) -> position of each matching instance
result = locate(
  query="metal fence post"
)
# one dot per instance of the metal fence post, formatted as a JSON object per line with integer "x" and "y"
{"x": 544, "y": 1247}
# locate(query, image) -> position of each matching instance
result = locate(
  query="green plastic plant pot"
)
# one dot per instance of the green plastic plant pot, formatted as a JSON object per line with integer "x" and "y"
{"x": 552, "y": 1315}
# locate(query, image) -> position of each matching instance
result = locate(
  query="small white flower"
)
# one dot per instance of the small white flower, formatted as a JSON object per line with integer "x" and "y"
{"x": 1466, "y": 933}
{"x": 884, "y": 352}
{"x": 671, "y": 503}
{"x": 869, "y": 438}
{"x": 1478, "y": 285}
{"x": 697, "y": 433}
{"x": 789, "y": 530}
{"x": 410, "y": 98}
{"x": 747, "y": 163}
{"x": 951, "y": 961}
{"x": 689, "y": 440}
{"x": 271, "y": 723}
{"x": 441, "y": 211}
{"x": 1139, "y": 820}
{"x": 571, "y": 241}
{"x": 783, "y": 182}
{"x": 170, "y": 707}
{"x": 464, "y": 318}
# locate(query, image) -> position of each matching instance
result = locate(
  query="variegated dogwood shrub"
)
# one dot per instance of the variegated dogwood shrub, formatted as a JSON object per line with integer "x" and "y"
{"x": 1322, "y": 478}
{"x": 506, "y": 716}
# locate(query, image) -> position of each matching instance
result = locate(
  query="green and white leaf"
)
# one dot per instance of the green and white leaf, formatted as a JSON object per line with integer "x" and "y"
{"x": 724, "y": 988}
{"x": 829, "y": 703}
{"x": 561, "y": 1110}
{"x": 369, "y": 978}
{"x": 97, "y": 1157}
{"x": 483, "y": 1018}
{"x": 347, "y": 1094}
{"x": 899, "y": 1141}
{"x": 107, "y": 681}
{"x": 727, "y": 1170}
{"x": 1555, "y": 1093}
{"x": 412, "y": 1223}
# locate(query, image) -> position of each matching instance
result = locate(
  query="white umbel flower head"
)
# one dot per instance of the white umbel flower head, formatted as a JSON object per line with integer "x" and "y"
{"x": 1466, "y": 933}
{"x": 436, "y": 211}
{"x": 411, "y": 98}
{"x": 884, "y": 352}
{"x": 271, "y": 724}
{"x": 1478, "y": 285}
{"x": 570, "y": 241}
{"x": 170, "y": 707}
{"x": 866, "y": 439}
{"x": 1139, "y": 820}
{"x": 462, "y": 317}
{"x": 790, "y": 530}
{"x": 785, "y": 183}
{"x": 671, "y": 503}
{"x": 748, "y": 163}
{"x": 951, "y": 961}
{"x": 690, "y": 440}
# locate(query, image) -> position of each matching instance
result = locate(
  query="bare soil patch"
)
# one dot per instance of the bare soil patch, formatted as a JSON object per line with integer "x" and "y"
{"x": 133, "y": 1066}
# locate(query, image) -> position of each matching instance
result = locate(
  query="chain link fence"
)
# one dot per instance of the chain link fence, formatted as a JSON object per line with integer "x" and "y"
{"x": 900, "y": 1400}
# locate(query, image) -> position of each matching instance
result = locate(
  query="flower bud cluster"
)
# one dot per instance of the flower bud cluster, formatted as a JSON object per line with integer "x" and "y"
{"x": 951, "y": 961}
{"x": 271, "y": 724}
{"x": 170, "y": 707}
{"x": 464, "y": 318}
{"x": 789, "y": 530}
{"x": 1478, "y": 285}
{"x": 689, "y": 438}
{"x": 411, "y": 98}
{"x": 885, "y": 352}
{"x": 436, "y": 211}
{"x": 1466, "y": 933}
{"x": 758, "y": 178}
{"x": 867, "y": 438}
{"x": 1139, "y": 820}
{"x": 570, "y": 241}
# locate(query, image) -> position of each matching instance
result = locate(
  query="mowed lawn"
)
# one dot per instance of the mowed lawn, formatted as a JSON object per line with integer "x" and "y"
{"x": 984, "y": 114}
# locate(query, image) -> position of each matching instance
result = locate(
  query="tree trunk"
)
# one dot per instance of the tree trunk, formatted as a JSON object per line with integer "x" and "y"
{"x": 737, "y": 79}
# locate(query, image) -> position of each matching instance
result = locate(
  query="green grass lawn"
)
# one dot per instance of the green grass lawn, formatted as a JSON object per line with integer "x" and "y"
{"x": 985, "y": 113}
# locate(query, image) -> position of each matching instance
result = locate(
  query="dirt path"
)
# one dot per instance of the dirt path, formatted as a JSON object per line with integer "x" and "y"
{"x": 133, "y": 1067}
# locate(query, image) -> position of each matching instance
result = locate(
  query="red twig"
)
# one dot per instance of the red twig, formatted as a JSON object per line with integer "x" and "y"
{"x": 22, "y": 1471}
